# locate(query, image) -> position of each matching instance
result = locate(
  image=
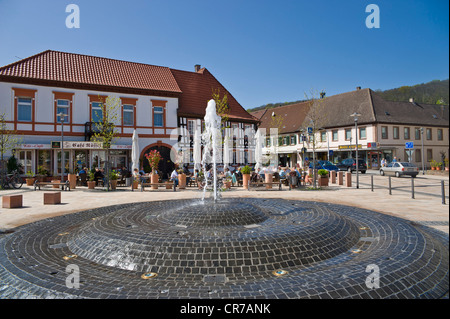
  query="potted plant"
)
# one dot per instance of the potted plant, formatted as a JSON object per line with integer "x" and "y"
{"x": 433, "y": 164}
{"x": 181, "y": 179}
{"x": 42, "y": 173}
{"x": 323, "y": 177}
{"x": 228, "y": 182}
{"x": 153, "y": 158}
{"x": 113, "y": 176}
{"x": 30, "y": 178}
{"x": 91, "y": 181}
{"x": 246, "y": 170}
{"x": 446, "y": 164}
{"x": 439, "y": 166}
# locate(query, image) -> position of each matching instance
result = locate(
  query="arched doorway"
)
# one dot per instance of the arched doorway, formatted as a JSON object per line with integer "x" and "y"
{"x": 166, "y": 165}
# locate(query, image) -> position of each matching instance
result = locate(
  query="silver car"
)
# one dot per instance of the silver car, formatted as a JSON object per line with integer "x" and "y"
{"x": 399, "y": 169}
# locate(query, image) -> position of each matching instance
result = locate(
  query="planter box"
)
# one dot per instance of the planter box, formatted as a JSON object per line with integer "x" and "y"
{"x": 323, "y": 180}
{"x": 91, "y": 184}
{"x": 56, "y": 181}
{"x": 169, "y": 185}
{"x": 113, "y": 183}
{"x": 181, "y": 181}
{"x": 245, "y": 179}
{"x": 30, "y": 181}
{"x": 154, "y": 180}
{"x": 72, "y": 181}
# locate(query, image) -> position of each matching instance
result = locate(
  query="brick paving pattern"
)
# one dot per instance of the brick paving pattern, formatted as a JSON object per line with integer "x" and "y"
{"x": 229, "y": 249}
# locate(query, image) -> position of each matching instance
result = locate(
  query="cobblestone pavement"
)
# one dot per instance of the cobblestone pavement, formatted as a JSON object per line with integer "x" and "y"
{"x": 237, "y": 248}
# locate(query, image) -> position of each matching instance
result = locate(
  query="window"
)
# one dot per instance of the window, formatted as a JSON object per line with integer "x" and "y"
{"x": 362, "y": 133}
{"x": 429, "y": 154}
{"x": 348, "y": 134}
{"x": 158, "y": 116}
{"x": 429, "y": 134}
{"x": 286, "y": 140}
{"x": 417, "y": 133}
{"x": 440, "y": 134}
{"x": 268, "y": 142}
{"x": 24, "y": 108}
{"x": 25, "y": 158}
{"x": 97, "y": 112}
{"x": 293, "y": 140}
{"x": 128, "y": 115}
{"x": 323, "y": 136}
{"x": 406, "y": 133}
{"x": 384, "y": 132}
{"x": 418, "y": 155}
{"x": 396, "y": 133}
{"x": 62, "y": 106}
{"x": 335, "y": 135}
{"x": 190, "y": 127}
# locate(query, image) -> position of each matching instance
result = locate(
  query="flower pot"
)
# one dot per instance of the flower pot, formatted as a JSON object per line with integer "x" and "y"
{"x": 323, "y": 180}
{"x": 30, "y": 181}
{"x": 55, "y": 181}
{"x": 438, "y": 168}
{"x": 268, "y": 179}
{"x": 72, "y": 181}
{"x": 169, "y": 185}
{"x": 181, "y": 181}
{"x": 154, "y": 178}
{"x": 446, "y": 168}
{"x": 433, "y": 168}
{"x": 91, "y": 184}
{"x": 228, "y": 184}
{"x": 113, "y": 183}
{"x": 245, "y": 179}
{"x": 135, "y": 184}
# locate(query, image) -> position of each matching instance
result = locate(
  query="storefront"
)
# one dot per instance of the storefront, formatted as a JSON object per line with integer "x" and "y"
{"x": 45, "y": 159}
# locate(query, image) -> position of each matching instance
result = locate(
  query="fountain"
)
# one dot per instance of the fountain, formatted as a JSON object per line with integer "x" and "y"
{"x": 212, "y": 139}
{"x": 232, "y": 248}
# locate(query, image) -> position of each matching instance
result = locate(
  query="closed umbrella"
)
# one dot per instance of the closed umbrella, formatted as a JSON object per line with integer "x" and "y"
{"x": 258, "y": 150}
{"x": 135, "y": 151}
{"x": 226, "y": 152}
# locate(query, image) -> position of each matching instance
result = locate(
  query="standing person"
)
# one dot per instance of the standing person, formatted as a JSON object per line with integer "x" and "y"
{"x": 383, "y": 162}
{"x": 174, "y": 177}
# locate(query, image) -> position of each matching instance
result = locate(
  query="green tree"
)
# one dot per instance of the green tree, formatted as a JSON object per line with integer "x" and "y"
{"x": 105, "y": 129}
{"x": 8, "y": 140}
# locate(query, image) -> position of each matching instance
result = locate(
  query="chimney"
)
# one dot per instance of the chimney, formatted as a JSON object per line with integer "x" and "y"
{"x": 197, "y": 67}
{"x": 358, "y": 88}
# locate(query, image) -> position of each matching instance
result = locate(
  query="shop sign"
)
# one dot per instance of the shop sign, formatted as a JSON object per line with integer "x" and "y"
{"x": 372, "y": 145}
{"x": 121, "y": 147}
{"x": 77, "y": 145}
{"x": 34, "y": 146}
{"x": 349, "y": 147}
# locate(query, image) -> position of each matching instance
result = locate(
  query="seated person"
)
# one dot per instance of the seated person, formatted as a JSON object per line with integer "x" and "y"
{"x": 98, "y": 175}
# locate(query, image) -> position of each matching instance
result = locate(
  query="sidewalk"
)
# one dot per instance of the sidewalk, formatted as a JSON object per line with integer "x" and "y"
{"x": 426, "y": 208}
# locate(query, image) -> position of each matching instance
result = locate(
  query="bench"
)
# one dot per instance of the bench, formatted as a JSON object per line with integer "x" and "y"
{"x": 64, "y": 186}
{"x": 256, "y": 184}
{"x": 172, "y": 185}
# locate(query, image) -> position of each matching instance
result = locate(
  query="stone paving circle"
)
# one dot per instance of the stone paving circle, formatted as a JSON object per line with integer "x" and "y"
{"x": 234, "y": 248}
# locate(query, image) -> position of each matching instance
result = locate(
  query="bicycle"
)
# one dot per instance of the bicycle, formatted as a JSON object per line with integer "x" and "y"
{"x": 11, "y": 180}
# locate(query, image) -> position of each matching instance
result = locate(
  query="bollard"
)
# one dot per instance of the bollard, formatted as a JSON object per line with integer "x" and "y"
{"x": 333, "y": 177}
{"x": 443, "y": 192}
{"x": 390, "y": 189}
{"x": 412, "y": 187}
{"x": 371, "y": 182}
{"x": 340, "y": 178}
{"x": 348, "y": 179}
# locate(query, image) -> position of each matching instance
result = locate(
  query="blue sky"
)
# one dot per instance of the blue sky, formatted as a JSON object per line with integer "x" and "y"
{"x": 261, "y": 51}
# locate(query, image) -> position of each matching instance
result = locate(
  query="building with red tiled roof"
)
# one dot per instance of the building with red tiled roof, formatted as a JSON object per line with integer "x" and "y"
{"x": 155, "y": 101}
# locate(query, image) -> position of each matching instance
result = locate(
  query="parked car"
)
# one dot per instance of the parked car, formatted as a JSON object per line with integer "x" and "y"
{"x": 349, "y": 165}
{"x": 324, "y": 165}
{"x": 399, "y": 169}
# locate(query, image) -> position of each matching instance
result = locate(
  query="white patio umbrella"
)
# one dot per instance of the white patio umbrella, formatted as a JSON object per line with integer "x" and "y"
{"x": 258, "y": 151}
{"x": 135, "y": 151}
{"x": 197, "y": 150}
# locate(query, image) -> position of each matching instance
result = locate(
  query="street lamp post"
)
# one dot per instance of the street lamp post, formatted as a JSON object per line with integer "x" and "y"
{"x": 62, "y": 118}
{"x": 422, "y": 151}
{"x": 355, "y": 117}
